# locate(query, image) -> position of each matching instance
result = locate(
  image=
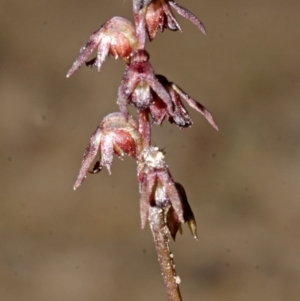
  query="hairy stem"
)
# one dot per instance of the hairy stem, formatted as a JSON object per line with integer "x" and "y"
{"x": 145, "y": 127}
{"x": 140, "y": 23}
{"x": 160, "y": 234}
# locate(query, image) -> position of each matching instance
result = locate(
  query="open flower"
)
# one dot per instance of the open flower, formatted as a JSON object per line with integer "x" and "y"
{"x": 115, "y": 135}
{"x": 138, "y": 83}
{"x": 157, "y": 188}
{"x": 116, "y": 37}
{"x": 144, "y": 89}
{"x": 159, "y": 16}
{"x": 180, "y": 115}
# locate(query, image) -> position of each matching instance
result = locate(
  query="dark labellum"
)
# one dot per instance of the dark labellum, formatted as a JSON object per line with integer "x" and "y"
{"x": 96, "y": 169}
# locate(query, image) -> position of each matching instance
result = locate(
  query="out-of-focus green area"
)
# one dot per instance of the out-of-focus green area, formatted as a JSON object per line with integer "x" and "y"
{"x": 243, "y": 182}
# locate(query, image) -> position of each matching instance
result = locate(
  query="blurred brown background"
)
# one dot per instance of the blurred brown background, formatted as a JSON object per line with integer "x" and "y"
{"x": 242, "y": 182}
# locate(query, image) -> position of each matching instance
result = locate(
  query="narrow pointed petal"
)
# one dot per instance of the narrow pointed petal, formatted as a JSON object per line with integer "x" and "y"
{"x": 172, "y": 193}
{"x": 146, "y": 191}
{"x": 193, "y": 227}
{"x": 126, "y": 88}
{"x": 188, "y": 15}
{"x": 161, "y": 92}
{"x": 86, "y": 51}
{"x": 196, "y": 106}
{"x": 158, "y": 110}
{"x": 187, "y": 210}
{"x": 88, "y": 157}
{"x": 181, "y": 116}
{"x": 102, "y": 53}
{"x": 170, "y": 21}
{"x": 107, "y": 151}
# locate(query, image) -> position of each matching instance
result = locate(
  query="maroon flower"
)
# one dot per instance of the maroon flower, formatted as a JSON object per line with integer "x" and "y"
{"x": 180, "y": 115}
{"x": 157, "y": 188}
{"x": 116, "y": 37}
{"x": 144, "y": 89}
{"x": 138, "y": 83}
{"x": 115, "y": 135}
{"x": 158, "y": 16}
{"x": 154, "y": 178}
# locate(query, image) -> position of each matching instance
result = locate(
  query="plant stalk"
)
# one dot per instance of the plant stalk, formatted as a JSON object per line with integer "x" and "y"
{"x": 144, "y": 127}
{"x": 160, "y": 234}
